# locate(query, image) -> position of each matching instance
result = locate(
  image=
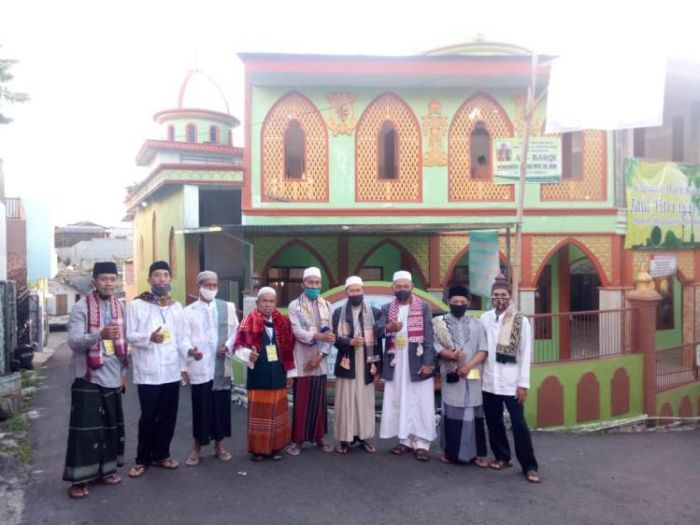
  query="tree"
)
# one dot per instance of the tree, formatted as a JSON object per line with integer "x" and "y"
{"x": 6, "y": 95}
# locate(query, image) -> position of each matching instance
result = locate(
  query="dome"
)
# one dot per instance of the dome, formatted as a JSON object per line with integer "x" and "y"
{"x": 477, "y": 46}
{"x": 200, "y": 91}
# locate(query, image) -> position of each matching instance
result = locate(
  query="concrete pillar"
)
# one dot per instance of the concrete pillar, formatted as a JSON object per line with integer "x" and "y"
{"x": 645, "y": 300}
{"x": 527, "y": 300}
{"x": 612, "y": 325}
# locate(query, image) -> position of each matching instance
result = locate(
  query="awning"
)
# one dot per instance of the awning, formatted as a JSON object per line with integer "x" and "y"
{"x": 347, "y": 229}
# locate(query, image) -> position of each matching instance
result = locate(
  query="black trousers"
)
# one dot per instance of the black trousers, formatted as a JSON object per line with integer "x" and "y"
{"x": 157, "y": 422}
{"x": 211, "y": 413}
{"x": 493, "y": 410}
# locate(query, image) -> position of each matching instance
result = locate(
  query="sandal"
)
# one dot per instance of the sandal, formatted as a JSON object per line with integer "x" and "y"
{"x": 167, "y": 463}
{"x": 257, "y": 457}
{"x": 445, "y": 459}
{"x": 294, "y": 449}
{"x": 401, "y": 450}
{"x": 422, "y": 454}
{"x": 111, "y": 479}
{"x": 192, "y": 460}
{"x": 78, "y": 490}
{"x": 367, "y": 447}
{"x": 276, "y": 456}
{"x": 137, "y": 471}
{"x": 481, "y": 462}
{"x": 499, "y": 464}
{"x": 325, "y": 447}
{"x": 532, "y": 476}
{"x": 343, "y": 448}
{"x": 223, "y": 456}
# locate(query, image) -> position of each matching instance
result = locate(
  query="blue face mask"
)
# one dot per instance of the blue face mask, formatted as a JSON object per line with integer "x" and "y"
{"x": 312, "y": 293}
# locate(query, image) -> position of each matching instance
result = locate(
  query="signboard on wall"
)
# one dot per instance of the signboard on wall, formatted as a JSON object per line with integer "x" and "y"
{"x": 543, "y": 160}
{"x": 663, "y": 265}
{"x": 663, "y": 204}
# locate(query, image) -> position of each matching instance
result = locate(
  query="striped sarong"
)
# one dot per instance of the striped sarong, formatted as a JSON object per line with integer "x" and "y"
{"x": 310, "y": 416}
{"x": 268, "y": 421}
{"x": 96, "y": 433}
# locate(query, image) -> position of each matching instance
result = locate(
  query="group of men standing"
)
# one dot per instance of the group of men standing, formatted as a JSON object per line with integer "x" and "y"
{"x": 484, "y": 366}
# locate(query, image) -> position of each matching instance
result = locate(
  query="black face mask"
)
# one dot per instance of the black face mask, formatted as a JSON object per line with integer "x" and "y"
{"x": 355, "y": 300}
{"x": 458, "y": 310}
{"x": 403, "y": 295}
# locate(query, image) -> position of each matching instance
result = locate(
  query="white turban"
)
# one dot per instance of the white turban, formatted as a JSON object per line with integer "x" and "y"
{"x": 311, "y": 271}
{"x": 402, "y": 274}
{"x": 265, "y": 290}
{"x": 353, "y": 279}
{"x": 207, "y": 274}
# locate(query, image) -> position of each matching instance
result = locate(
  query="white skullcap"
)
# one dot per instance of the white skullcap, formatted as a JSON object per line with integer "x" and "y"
{"x": 266, "y": 289}
{"x": 311, "y": 271}
{"x": 402, "y": 274}
{"x": 207, "y": 274}
{"x": 353, "y": 279}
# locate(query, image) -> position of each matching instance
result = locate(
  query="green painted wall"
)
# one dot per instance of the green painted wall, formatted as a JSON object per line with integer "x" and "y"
{"x": 674, "y": 337}
{"x": 342, "y": 161}
{"x": 388, "y": 257}
{"x": 168, "y": 205}
{"x": 569, "y": 375}
{"x": 675, "y": 396}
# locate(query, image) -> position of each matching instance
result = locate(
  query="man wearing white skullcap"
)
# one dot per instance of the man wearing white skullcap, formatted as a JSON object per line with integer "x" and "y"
{"x": 408, "y": 409}
{"x": 357, "y": 366}
{"x": 211, "y": 322}
{"x": 310, "y": 316}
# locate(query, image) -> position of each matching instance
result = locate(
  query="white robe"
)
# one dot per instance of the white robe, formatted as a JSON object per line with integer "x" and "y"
{"x": 408, "y": 409}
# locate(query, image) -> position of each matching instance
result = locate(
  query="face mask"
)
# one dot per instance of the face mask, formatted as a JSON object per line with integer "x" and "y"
{"x": 207, "y": 294}
{"x": 403, "y": 295}
{"x": 458, "y": 310}
{"x": 161, "y": 289}
{"x": 312, "y": 293}
{"x": 355, "y": 300}
{"x": 500, "y": 304}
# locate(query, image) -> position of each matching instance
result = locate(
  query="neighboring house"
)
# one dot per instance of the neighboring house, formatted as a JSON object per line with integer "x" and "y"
{"x": 85, "y": 254}
{"x": 67, "y": 236}
{"x": 64, "y": 291}
{"x": 41, "y": 256}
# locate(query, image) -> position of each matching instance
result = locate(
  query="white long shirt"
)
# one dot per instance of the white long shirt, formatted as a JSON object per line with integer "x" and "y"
{"x": 504, "y": 378}
{"x": 157, "y": 363}
{"x": 203, "y": 328}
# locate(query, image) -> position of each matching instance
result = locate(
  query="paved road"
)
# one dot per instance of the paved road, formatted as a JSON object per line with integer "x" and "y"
{"x": 637, "y": 478}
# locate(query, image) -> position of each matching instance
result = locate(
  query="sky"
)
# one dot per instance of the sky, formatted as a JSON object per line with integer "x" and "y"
{"x": 96, "y": 72}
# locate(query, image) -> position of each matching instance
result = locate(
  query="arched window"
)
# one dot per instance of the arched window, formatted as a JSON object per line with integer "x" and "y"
{"x": 388, "y": 152}
{"x": 172, "y": 253}
{"x": 214, "y": 134}
{"x": 171, "y": 133}
{"x": 154, "y": 250}
{"x": 294, "y": 148}
{"x": 191, "y": 133}
{"x": 480, "y": 144}
{"x": 572, "y": 156}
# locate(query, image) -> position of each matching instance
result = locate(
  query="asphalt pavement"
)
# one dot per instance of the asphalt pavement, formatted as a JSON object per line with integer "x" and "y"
{"x": 587, "y": 479}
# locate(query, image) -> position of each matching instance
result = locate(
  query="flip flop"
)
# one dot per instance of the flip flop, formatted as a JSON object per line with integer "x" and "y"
{"x": 257, "y": 457}
{"x": 422, "y": 454}
{"x": 343, "y": 448}
{"x": 111, "y": 479}
{"x": 167, "y": 463}
{"x": 445, "y": 459}
{"x": 325, "y": 447}
{"x": 192, "y": 460}
{"x": 481, "y": 462}
{"x": 223, "y": 456}
{"x": 78, "y": 490}
{"x": 137, "y": 471}
{"x": 500, "y": 464}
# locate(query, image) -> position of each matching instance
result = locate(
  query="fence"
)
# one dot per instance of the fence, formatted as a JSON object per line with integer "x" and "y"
{"x": 568, "y": 336}
{"x": 676, "y": 366}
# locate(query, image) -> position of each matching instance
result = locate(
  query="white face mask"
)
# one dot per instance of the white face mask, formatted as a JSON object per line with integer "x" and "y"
{"x": 207, "y": 294}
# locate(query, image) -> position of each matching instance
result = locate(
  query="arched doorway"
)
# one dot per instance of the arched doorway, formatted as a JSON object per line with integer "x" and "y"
{"x": 387, "y": 257}
{"x": 459, "y": 274}
{"x": 285, "y": 270}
